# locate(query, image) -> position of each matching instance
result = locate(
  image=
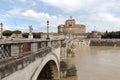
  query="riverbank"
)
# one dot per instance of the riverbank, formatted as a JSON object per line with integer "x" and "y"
{"x": 105, "y": 42}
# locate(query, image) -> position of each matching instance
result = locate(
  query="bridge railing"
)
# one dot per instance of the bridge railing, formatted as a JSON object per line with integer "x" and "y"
{"x": 22, "y": 53}
{"x": 11, "y": 65}
{"x": 5, "y": 50}
{"x": 16, "y": 48}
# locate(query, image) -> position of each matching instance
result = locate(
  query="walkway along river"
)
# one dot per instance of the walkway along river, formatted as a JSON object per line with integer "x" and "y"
{"x": 96, "y": 63}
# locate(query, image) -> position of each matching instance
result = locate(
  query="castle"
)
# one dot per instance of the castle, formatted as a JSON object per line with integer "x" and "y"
{"x": 70, "y": 27}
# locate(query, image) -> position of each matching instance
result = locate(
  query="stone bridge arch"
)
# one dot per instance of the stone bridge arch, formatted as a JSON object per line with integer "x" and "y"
{"x": 48, "y": 68}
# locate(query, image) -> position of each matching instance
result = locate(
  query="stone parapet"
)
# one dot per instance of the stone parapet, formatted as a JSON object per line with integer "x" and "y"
{"x": 12, "y": 65}
{"x": 18, "y": 54}
{"x": 16, "y": 48}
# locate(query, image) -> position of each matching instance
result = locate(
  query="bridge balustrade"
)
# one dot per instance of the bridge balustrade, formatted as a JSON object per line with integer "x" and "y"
{"x": 5, "y": 51}
{"x": 16, "y": 55}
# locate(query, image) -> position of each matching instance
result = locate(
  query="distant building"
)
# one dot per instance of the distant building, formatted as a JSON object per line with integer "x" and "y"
{"x": 95, "y": 35}
{"x": 70, "y": 27}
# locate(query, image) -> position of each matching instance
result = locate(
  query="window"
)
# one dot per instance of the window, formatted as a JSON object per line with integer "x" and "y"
{"x": 70, "y": 25}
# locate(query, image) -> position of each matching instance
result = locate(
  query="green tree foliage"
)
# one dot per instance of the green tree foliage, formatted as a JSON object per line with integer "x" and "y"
{"x": 111, "y": 35}
{"x": 17, "y": 32}
{"x": 25, "y": 35}
{"x": 7, "y": 33}
{"x": 36, "y": 35}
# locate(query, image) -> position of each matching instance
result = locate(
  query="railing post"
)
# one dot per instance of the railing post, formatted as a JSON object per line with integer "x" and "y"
{"x": 15, "y": 50}
{"x": 34, "y": 47}
{"x": 49, "y": 43}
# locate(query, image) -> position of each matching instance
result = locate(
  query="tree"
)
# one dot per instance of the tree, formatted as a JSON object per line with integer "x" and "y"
{"x": 25, "y": 35}
{"x": 17, "y": 32}
{"x": 37, "y": 35}
{"x": 111, "y": 35}
{"x": 7, "y": 33}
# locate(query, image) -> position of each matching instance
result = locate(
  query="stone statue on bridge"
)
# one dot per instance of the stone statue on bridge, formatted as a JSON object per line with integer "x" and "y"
{"x": 30, "y": 32}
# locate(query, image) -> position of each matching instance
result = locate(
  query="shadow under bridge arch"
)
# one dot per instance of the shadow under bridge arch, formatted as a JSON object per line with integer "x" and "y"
{"x": 48, "y": 69}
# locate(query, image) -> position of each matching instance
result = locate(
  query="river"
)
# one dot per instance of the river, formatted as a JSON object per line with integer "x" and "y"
{"x": 96, "y": 63}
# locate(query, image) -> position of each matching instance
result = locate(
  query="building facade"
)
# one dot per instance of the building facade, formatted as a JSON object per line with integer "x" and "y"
{"x": 70, "y": 27}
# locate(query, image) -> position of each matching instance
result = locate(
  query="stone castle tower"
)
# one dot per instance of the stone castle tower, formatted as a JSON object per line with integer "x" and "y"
{"x": 70, "y": 27}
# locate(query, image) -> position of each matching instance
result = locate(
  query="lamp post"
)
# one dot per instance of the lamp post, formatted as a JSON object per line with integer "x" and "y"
{"x": 47, "y": 30}
{"x": 1, "y": 24}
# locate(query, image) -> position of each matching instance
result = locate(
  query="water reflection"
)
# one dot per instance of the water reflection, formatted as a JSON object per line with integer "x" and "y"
{"x": 96, "y": 63}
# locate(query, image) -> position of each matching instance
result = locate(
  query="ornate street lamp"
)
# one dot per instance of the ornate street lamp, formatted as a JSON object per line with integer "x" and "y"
{"x": 1, "y": 24}
{"x": 47, "y": 30}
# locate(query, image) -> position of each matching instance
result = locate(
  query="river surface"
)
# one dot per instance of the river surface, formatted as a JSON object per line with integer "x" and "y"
{"x": 96, "y": 63}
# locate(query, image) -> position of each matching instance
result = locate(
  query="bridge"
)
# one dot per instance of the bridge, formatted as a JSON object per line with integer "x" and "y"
{"x": 30, "y": 59}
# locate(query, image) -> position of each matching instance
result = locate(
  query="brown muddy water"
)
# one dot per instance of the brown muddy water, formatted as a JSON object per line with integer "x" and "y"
{"x": 96, "y": 63}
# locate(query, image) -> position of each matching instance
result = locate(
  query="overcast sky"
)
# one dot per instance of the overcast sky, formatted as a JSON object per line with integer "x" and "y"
{"x": 100, "y": 15}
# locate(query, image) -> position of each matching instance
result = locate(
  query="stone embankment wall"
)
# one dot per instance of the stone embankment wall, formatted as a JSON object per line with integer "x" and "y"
{"x": 105, "y": 42}
{"x": 81, "y": 42}
{"x": 84, "y": 42}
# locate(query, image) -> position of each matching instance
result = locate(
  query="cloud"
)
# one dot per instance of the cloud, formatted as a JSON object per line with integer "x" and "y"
{"x": 110, "y": 20}
{"x": 33, "y": 3}
{"x": 103, "y": 14}
{"x": 109, "y": 17}
{"x": 37, "y": 16}
{"x": 101, "y": 21}
{"x": 22, "y": 0}
{"x": 88, "y": 7}
{"x": 75, "y": 5}
{"x": 23, "y": 3}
